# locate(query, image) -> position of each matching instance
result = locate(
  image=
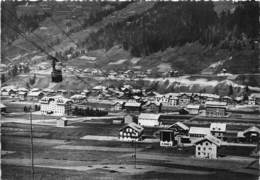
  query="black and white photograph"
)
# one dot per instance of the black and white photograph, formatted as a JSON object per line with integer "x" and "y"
{"x": 130, "y": 90}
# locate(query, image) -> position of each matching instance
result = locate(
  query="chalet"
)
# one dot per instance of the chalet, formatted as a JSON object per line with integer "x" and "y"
{"x": 149, "y": 120}
{"x": 34, "y": 95}
{"x": 172, "y": 101}
{"x": 181, "y": 132}
{"x": 117, "y": 106}
{"x": 61, "y": 92}
{"x": 179, "y": 128}
{"x": 209, "y": 97}
{"x": 184, "y": 99}
{"x": 56, "y": 105}
{"x": 250, "y": 135}
{"x": 227, "y": 99}
{"x": 153, "y": 107}
{"x": 167, "y": 100}
{"x": 239, "y": 99}
{"x": 22, "y": 95}
{"x": 131, "y": 132}
{"x": 133, "y": 107}
{"x": 251, "y": 100}
{"x": 193, "y": 108}
{"x": 167, "y": 138}
{"x": 207, "y": 147}
{"x": 198, "y": 132}
{"x": 196, "y": 98}
{"x": 215, "y": 109}
{"x": 8, "y": 91}
{"x": 255, "y": 98}
{"x": 22, "y": 89}
{"x": 78, "y": 98}
{"x": 218, "y": 130}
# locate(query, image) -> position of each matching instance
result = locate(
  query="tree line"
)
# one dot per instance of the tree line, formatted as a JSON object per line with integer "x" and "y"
{"x": 80, "y": 111}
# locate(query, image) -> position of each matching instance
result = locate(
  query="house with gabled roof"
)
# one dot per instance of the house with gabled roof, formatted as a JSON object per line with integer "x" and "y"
{"x": 149, "y": 119}
{"x": 117, "y": 106}
{"x": 207, "y": 147}
{"x": 133, "y": 106}
{"x": 35, "y": 95}
{"x": 215, "y": 108}
{"x": 131, "y": 132}
{"x": 154, "y": 107}
{"x": 193, "y": 109}
{"x": 218, "y": 130}
{"x": 198, "y": 132}
{"x": 184, "y": 99}
{"x": 179, "y": 128}
{"x": 250, "y": 135}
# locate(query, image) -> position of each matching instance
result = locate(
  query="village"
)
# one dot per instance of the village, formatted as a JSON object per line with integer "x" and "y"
{"x": 205, "y": 121}
{"x": 206, "y": 128}
{"x": 130, "y": 90}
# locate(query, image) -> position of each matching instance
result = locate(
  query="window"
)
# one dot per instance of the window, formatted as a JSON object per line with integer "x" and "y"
{"x": 198, "y": 153}
{"x": 207, "y": 143}
{"x": 199, "y": 148}
{"x": 204, "y": 149}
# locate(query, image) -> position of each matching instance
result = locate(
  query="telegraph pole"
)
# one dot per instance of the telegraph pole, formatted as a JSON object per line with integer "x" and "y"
{"x": 31, "y": 135}
{"x": 135, "y": 154}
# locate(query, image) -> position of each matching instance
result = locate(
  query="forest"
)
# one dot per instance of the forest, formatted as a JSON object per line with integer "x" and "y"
{"x": 174, "y": 24}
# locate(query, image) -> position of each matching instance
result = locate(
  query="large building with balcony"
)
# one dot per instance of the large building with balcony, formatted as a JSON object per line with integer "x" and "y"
{"x": 55, "y": 105}
{"x": 215, "y": 109}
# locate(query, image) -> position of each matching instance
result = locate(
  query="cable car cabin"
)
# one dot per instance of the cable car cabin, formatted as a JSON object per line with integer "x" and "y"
{"x": 56, "y": 74}
{"x": 167, "y": 138}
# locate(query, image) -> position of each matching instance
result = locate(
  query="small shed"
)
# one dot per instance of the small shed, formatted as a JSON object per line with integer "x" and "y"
{"x": 62, "y": 122}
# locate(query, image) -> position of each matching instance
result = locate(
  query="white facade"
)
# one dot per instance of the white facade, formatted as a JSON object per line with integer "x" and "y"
{"x": 198, "y": 132}
{"x": 130, "y": 132}
{"x": 149, "y": 120}
{"x": 206, "y": 149}
{"x": 56, "y": 105}
{"x": 193, "y": 109}
{"x": 218, "y": 130}
{"x": 167, "y": 100}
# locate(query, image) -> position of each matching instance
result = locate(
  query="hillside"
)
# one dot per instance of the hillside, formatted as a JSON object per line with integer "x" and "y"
{"x": 159, "y": 36}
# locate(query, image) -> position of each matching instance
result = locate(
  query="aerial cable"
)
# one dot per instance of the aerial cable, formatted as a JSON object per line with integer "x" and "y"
{"x": 31, "y": 41}
{"x": 40, "y": 38}
{"x": 61, "y": 28}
